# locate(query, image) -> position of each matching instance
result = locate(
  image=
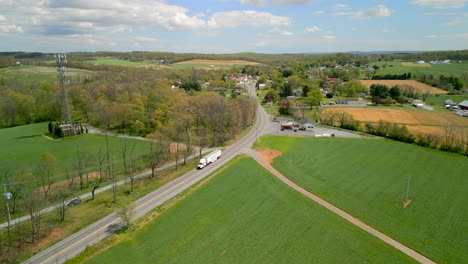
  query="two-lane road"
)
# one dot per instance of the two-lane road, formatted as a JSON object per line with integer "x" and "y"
{"x": 75, "y": 244}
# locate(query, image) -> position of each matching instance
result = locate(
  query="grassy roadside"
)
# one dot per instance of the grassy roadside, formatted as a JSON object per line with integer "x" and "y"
{"x": 89, "y": 211}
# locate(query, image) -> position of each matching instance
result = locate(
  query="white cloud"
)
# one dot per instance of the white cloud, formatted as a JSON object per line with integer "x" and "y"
{"x": 8, "y": 28}
{"x": 56, "y": 17}
{"x": 102, "y": 42}
{"x": 257, "y": 3}
{"x": 318, "y": 12}
{"x": 312, "y": 29}
{"x": 329, "y": 37}
{"x": 454, "y": 22}
{"x": 246, "y": 18}
{"x": 294, "y": 2}
{"x": 341, "y": 6}
{"x": 440, "y": 4}
{"x": 386, "y": 30}
{"x": 147, "y": 39}
{"x": 280, "y": 32}
{"x": 448, "y": 36}
{"x": 374, "y": 12}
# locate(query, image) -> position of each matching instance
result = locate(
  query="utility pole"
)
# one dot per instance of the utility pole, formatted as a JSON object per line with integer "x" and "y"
{"x": 7, "y": 197}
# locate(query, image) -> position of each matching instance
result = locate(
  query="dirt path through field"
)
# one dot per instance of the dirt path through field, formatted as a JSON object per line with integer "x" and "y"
{"x": 406, "y": 250}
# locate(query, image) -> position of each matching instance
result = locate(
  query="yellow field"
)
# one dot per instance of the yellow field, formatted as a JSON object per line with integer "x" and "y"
{"x": 219, "y": 62}
{"x": 417, "y": 121}
{"x": 418, "y": 86}
{"x": 412, "y": 64}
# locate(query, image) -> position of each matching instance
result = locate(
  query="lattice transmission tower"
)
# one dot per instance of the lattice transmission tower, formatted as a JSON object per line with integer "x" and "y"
{"x": 61, "y": 60}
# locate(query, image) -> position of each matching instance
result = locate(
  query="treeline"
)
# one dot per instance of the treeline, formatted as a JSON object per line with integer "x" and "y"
{"x": 404, "y": 76}
{"x": 447, "y": 83}
{"x": 454, "y": 139}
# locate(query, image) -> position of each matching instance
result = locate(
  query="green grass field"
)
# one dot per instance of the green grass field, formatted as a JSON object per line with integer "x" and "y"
{"x": 22, "y": 147}
{"x": 368, "y": 179}
{"x": 119, "y": 62}
{"x": 437, "y": 69}
{"x": 202, "y": 66}
{"x": 28, "y": 75}
{"x": 246, "y": 215}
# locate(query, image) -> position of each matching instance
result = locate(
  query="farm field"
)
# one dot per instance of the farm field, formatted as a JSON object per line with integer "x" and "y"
{"x": 246, "y": 215}
{"x": 437, "y": 69}
{"x": 418, "y": 121}
{"x": 118, "y": 62}
{"x": 34, "y": 75}
{"x": 418, "y": 86}
{"x": 206, "y": 64}
{"x": 22, "y": 148}
{"x": 368, "y": 178}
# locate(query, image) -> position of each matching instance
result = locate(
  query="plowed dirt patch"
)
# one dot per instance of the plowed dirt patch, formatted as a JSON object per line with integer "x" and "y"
{"x": 418, "y": 86}
{"x": 269, "y": 154}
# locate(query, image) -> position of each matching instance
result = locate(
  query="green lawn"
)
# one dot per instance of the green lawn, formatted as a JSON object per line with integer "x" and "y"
{"x": 22, "y": 147}
{"x": 28, "y": 75}
{"x": 246, "y": 215}
{"x": 368, "y": 178}
{"x": 119, "y": 62}
{"x": 437, "y": 102}
{"x": 437, "y": 69}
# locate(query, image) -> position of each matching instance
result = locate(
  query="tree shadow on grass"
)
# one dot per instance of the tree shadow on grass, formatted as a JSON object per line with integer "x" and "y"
{"x": 31, "y": 136}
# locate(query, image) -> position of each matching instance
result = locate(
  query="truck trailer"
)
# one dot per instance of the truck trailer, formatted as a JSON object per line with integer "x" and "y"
{"x": 209, "y": 158}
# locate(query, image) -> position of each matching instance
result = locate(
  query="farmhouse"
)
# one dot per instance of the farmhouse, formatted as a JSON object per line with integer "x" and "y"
{"x": 463, "y": 105}
{"x": 418, "y": 103}
{"x": 351, "y": 102}
{"x": 305, "y": 124}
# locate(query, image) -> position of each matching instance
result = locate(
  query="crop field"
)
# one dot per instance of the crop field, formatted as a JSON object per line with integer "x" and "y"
{"x": 118, "y": 62}
{"x": 418, "y": 86}
{"x": 417, "y": 121}
{"x": 413, "y": 64}
{"x": 368, "y": 178}
{"x": 22, "y": 148}
{"x": 246, "y": 215}
{"x": 212, "y": 64}
{"x": 34, "y": 75}
{"x": 436, "y": 70}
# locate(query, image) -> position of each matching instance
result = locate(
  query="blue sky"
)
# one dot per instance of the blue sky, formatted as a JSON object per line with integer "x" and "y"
{"x": 227, "y": 26}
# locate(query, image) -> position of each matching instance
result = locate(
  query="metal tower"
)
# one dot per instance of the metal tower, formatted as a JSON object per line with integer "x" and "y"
{"x": 61, "y": 60}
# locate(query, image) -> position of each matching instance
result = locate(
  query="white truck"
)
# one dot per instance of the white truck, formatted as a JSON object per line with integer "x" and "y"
{"x": 209, "y": 158}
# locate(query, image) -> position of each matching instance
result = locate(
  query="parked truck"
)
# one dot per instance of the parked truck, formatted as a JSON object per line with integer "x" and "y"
{"x": 209, "y": 158}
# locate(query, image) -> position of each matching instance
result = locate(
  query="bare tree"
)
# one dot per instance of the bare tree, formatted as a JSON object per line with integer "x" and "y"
{"x": 100, "y": 161}
{"x": 79, "y": 165}
{"x": 425, "y": 94}
{"x": 63, "y": 194}
{"x": 157, "y": 155}
{"x": 188, "y": 140}
{"x": 45, "y": 171}
{"x": 114, "y": 179}
{"x": 133, "y": 166}
{"x": 124, "y": 150}
{"x": 33, "y": 203}
{"x": 14, "y": 184}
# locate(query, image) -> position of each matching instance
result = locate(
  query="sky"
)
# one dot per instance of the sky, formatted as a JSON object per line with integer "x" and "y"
{"x": 230, "y": 26}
